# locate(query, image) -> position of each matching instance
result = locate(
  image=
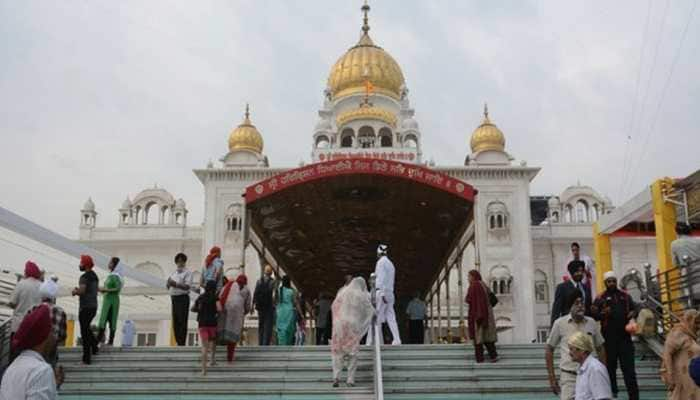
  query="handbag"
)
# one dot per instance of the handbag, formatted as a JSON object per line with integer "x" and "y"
{"x": 493, "y": 299}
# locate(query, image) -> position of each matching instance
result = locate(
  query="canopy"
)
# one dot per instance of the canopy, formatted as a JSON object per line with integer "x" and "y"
{"x": 325, "y": 220}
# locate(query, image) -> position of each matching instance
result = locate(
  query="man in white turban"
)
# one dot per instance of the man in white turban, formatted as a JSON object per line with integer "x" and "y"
{"x": 385, "y": 273}
{"x": 48, "y": 291}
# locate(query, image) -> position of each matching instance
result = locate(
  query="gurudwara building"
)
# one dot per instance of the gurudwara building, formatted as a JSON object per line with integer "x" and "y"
{"x": 521, "y": 241}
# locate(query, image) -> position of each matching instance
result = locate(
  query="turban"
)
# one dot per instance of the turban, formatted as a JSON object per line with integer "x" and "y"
{"x": 86, "y": 261}
{"x": 34, "y": 329}
{"x": 242, "y": 279}
{"x": 581, "y": 341}
{"x": 694, "y": 370}
{"x": 31, "y": 270}
{"x": 575, "y": 265}
{"x": 609, "y": 275}
{"x": 382, "y": 249}
{"x": 48, "y": 289}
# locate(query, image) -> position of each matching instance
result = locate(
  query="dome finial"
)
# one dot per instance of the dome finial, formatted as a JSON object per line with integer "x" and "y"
{"x": 486, "y": 111}
{"x": 365, "y": 20}
{"x": 247, "y": 112}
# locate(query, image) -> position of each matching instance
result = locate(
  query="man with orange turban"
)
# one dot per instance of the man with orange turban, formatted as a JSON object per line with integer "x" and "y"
{"x": 87, "y": 290}
{"x": 30, "y": 376}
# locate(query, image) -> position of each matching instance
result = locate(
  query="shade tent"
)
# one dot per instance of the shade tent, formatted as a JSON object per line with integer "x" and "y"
{"x": 325, "y": 220}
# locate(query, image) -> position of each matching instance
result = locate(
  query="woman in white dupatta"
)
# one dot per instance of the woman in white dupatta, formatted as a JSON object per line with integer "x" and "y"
{"x": 234, "y": 304}
{"x": 352, "y": 315}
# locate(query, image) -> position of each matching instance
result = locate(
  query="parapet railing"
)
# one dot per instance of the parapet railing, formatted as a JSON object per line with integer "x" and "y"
{"x": 4, "y": 345}
{"x": 375, "y": 334}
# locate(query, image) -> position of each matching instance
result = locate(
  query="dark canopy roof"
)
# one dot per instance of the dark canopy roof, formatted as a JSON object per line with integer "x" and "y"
{"x": 325, "y": 220}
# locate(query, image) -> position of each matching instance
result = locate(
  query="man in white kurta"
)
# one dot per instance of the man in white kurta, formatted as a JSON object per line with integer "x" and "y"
{"x": 385, "y": 273}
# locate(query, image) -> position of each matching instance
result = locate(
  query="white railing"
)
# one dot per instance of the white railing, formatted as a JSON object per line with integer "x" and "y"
{"x": 4, "y": 345}
{"x": 375, "y": 334}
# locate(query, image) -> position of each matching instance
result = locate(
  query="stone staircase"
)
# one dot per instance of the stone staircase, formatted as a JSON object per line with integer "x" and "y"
{"x": 410, "y": 372}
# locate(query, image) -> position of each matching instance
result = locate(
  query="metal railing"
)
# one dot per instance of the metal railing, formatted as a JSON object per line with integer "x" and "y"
{"x": 669, "y": 293}
{"x": 4, "y": 345}
{"x": 375, "y": 334}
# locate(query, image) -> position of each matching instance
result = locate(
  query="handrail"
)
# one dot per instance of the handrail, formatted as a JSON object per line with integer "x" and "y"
{"x": 4, "y": 345}
{"x": 374, "y": 333}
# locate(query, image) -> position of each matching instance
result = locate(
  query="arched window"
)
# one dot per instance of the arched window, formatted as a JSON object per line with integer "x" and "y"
{"x": 178, "y": 218}
{"x": 366, "y": 137}
{"x": 150, "y": 214}
{"x": 541, "y": 287}
{"x": 581, "y": 211}
{"x": 322, "y": 142}
{"x": 568, "y": 211}
{"x": 410, "y": 141}
{"x": 595, "y": 212}
{"x": 125, "y": 218}
{"x": 346, "y": 137}
{"x": 494, "y": 287}
{"x": 497, "y": 215}
{"x": 234, "y": 221}
{"x": 385, "y": 137}
{"x": 555, "y": 216}
{"x": 503, "y": 286}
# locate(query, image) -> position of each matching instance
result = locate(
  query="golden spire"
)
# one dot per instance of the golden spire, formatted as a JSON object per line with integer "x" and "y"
{"x": 246, "y": 120}
{"x": 365, "y": 20}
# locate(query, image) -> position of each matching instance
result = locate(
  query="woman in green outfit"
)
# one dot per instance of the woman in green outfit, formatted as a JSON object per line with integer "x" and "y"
{"x": 110, "y": 301}
{"x": 287, "y": 309}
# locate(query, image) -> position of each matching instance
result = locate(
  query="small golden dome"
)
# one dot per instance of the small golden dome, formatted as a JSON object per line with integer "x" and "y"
{"x": 246, "y": 136}
{"x": 365, "y": 62}
{"x": 366, "y": 111}
{"x": 487, "y": 136}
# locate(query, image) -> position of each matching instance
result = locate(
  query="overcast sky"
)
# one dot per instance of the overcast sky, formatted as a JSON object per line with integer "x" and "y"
{"x": 104, "y": 98}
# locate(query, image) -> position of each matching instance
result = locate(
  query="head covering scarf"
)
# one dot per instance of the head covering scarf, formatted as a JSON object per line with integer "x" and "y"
{"x": 581, "y": 341}
{"x": 352, "y": 315}
{"x": 214, "y": 253}
{"x": 48, "y": 289}
{"x": 478, "y": 300}
{"x": 34, "y": 329}
{"x": 31, "y": 270}
{"x": 694, "y": 370}
{"x": 240, "y": 279}
{"x": 382, "y": 249}
{"x": 687, "y": 323}
{"x": 119, "y": 269}
{"x": 86, "y": 261}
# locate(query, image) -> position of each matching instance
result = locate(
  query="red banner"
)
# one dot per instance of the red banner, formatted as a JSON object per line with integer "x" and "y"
{"x": 328, "y": 169}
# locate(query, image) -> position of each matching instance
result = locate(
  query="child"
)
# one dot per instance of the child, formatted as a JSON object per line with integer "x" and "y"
{"x": 207, "y": 317}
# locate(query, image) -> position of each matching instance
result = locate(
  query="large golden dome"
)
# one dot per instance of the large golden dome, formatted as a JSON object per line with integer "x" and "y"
{"x": 365, "y": 62}
{"x": 246, "y": 136}
{"x": 487, "y": 136}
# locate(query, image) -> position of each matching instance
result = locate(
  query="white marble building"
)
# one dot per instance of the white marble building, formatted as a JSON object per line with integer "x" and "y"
{"x": 523, "y": 240}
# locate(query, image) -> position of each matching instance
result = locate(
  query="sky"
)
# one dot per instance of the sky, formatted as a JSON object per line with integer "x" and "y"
{"x": 103, "y": 99}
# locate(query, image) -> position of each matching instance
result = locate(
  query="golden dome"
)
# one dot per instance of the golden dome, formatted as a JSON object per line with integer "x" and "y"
{"x": 365, "y": 62}
{"x": 366, "y": 111}
{"x": 246, "y": 136}
{"x": 487, "y": 136}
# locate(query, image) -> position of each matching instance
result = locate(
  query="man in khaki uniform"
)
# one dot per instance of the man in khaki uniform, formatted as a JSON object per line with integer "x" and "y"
{"x": 562, "y": 330}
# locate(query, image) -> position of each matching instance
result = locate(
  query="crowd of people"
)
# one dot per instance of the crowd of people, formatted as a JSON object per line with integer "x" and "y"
{"x": 582, "y": 324}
